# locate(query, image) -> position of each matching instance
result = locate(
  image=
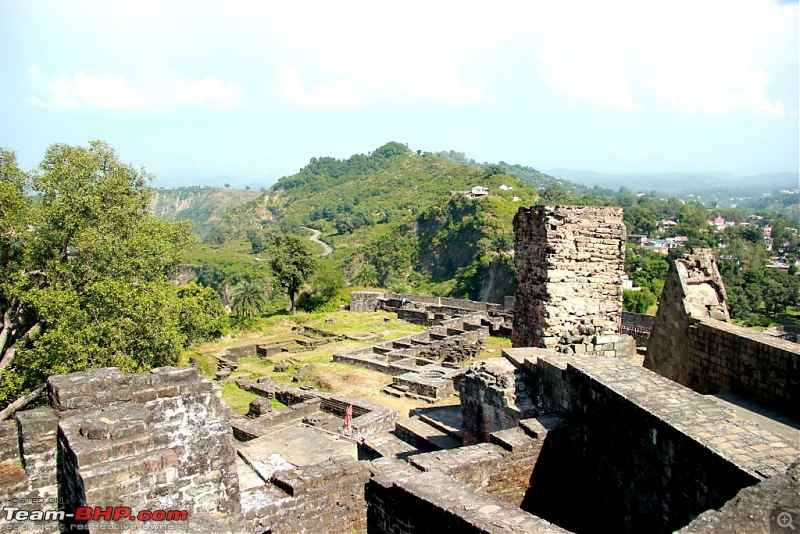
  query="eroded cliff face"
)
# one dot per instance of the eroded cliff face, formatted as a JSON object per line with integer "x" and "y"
{"x": 498, "y": 281}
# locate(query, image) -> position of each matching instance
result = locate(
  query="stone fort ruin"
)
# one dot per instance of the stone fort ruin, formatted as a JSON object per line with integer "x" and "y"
{"x": 554, "y": 436}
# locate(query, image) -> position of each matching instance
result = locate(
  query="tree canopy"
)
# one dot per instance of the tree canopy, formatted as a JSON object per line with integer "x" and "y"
{"x": 86, "y": 273}
{"x": 292, "y": 263}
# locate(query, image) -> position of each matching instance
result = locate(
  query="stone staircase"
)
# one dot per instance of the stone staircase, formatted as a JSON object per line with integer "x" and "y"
{"x": 427, "y": 434}
{"x": 427, "y": 430}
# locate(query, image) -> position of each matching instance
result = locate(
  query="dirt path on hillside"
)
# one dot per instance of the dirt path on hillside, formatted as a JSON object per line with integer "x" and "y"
{"x": 315, "y": 238}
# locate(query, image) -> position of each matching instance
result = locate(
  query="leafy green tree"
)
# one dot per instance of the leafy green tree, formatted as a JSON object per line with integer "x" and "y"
{"x": 367, "y": 276}
{"x": 292, "y": 263}
{"x": 780, "y": 290}
{"x": 248, "y": 299}
{"x": 202, "y": 315}
{"x": 637, "y": 301}
{"x": 85, "y": 271}
{"x": 327, "y": 280}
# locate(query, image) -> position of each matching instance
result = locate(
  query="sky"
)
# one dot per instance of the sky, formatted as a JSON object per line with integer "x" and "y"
{"x": 249, "y": 91}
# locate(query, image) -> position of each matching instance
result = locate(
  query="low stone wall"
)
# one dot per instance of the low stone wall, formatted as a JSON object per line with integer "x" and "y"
{"x": 408, "y": 502}
{"x": 325, "y": 497}
{"x": 367, "y": 417}
{"x": 639, "y": 320}
{"x": 724, "y": 358}
{"x": 246, "y": 428}
{"x": 638, "y": 326}
{"x": 365, "y": 301}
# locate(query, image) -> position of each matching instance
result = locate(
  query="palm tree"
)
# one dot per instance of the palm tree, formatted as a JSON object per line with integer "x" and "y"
{"x": 367, "y": 276}
{"x": 248, "y": 299}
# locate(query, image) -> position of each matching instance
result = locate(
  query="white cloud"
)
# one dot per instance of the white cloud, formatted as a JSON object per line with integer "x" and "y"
{"x": 213, "y": 92}
{"x": 163, "y": 92}
{"x": 699, "y": 57}
{"x": 108, "y": 91}
{"x": 337, "y": 94}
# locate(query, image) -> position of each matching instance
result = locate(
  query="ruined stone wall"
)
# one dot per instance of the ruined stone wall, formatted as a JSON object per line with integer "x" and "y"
{"x": 642, "y": 453}
{"x": 638, "y": 326}
{"x": 694, "y": 344}
{"x": 325, "y": 497}
{"x": 693, "y": 288}
{"x": 569, "y": 265}
{"x": 502, "y": 468}
{"x": 493, "y": 397}
{"x": 28, "y": 467}
{"x": 365, "y": 301}
{"x": 724, "y": 358}
{"x": 157, "y": 440}
{"x": 405, "y": 501}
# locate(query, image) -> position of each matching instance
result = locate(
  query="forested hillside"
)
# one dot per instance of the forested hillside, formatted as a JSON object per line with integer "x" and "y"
{"x": 200, "y": 205}
{"x": 404, "y": 214}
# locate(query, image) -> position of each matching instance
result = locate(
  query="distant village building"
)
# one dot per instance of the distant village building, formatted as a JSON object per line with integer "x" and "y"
{"x": 479, "y": 191}
{"x": 666, "y": 225}
{"x": 505, "y": 187}
{"x": 637, "y": 239}
{"x": 476, "y": 192}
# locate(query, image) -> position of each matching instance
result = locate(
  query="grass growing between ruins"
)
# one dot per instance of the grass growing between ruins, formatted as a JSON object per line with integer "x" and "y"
{"x": 236, "y": 398}
{"x": 340, "y": 378}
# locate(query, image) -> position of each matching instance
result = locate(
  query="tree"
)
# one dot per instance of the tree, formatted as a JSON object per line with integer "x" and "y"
{"x": 248, "y": 299}
{"x": 779, "y": 290}
{"x": 202, "y": 315}
{"x": 292, "y": 263}
{"x": 637, "y": 301}
{"x": 85, "y": 271}
{"x": 367, "y": 276}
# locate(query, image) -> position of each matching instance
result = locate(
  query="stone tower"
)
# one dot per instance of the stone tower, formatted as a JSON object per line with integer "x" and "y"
{"x": 569, "y": 266}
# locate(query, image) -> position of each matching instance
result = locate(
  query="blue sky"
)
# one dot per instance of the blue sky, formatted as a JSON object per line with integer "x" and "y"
{"x": 194, "y": 90}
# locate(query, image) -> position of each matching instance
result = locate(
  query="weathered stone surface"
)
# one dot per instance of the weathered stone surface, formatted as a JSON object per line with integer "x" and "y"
{"x": 569, "y": 264}
{"x": 708, "y": 355}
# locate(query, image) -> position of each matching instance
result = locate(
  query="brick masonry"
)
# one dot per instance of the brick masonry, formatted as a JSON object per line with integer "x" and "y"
{"x": 676, "y": 455}
{"x": 569, "y": 265}
{"x": 694, "y": 343}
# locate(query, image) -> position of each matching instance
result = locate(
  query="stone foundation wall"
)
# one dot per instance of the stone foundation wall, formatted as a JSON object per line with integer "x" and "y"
{"x": 502, "y": 468}
{"x": 326, "y": 497}
{"x": 569, "y": 265}
{"x": 643, "y": 454}
{"x": 409, "y": 502}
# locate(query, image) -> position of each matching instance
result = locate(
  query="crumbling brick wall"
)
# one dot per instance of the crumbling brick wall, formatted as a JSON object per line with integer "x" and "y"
{"x": 569, "y": 265}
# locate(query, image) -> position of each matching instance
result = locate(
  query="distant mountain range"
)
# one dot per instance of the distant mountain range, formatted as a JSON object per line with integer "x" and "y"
{"x": 680, "y": 183}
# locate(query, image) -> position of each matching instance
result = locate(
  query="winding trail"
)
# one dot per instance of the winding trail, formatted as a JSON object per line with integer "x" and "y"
{"x": 315, "y": 237}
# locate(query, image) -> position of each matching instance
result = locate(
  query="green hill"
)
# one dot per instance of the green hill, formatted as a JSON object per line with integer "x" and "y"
{"x": 202, "y": 206}
{"x": 403, "y": 212}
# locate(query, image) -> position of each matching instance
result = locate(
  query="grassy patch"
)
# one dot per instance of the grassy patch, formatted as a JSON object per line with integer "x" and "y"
{"x": 237, "y": 398}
